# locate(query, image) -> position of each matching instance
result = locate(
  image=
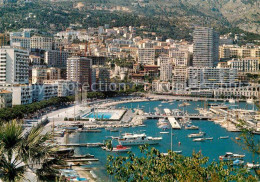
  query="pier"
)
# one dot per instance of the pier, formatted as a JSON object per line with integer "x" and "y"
{"x": 188, "y": 116}
{"x": 82, "y": 145}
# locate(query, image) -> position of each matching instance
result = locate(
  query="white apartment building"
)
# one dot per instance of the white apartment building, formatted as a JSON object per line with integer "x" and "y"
{"x": 179, "y": 78}
{"x": 39, "y": 74}
{"x": 211, "y": 77}
{"x": 44, "y": 91}
{"x": 247, "y": 91}
{"x": 166, "y": 72}
{"x": 5, "y": 98}
{"x": 65, "y": 87}
{"x": 41, "y": 42}
{"x": 22, "y": 94}
{"x": 180, "y": 57}
{"x": 56, "y": 58}
{"x": 163, "y": 60}
{"x": 35, "y": 60}
{"x": 21, "y": 42}
{"x": 245, "y": 65}
{"x": 146, "y": 56}
{"x": 14, "y": 66}
{"x": 231, "y": 51}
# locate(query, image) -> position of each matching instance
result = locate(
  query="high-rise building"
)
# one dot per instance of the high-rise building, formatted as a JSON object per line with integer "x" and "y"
{"x": 14, "y": 67}
{"x": 205, "y": 48}
{"x": 56, "y": 58}
{"x": 146, "y": 56}
{"x": 79, "y": 69}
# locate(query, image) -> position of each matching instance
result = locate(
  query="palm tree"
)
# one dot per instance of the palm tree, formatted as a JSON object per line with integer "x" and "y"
{"x": 21, "y": 152}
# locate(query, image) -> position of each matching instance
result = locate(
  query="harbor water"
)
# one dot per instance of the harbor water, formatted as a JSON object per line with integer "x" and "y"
{"x": 212, "y": 149}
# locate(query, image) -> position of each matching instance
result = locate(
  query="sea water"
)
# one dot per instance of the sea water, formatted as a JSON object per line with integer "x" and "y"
{"x": 212, "y": 149}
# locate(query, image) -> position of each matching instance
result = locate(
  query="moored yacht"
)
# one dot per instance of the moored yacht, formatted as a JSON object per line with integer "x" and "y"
{"x": 230, "y": 156}
{"x": 196, "y": 135}
{"x": 138, "y": 139}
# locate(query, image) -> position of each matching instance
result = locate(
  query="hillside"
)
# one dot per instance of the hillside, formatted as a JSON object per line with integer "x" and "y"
{"x": 169, "y": 18}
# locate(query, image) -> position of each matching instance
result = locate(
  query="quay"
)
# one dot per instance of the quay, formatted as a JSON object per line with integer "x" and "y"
{"x": 82, "y": 160}
{"x": 83, "y": 145}
{"x": 189, "y": 116}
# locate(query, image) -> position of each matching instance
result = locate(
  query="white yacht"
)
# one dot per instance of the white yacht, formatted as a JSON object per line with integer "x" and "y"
{"x": 250, "y": 101}
{"x": 196, "y": 135}
{"x": 138, "y": 139}
{"x": 232, "y": 101}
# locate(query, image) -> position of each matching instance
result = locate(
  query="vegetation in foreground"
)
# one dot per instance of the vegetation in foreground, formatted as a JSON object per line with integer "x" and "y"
{"x": 24, "y": 155}
{"x": 155, "y": 166}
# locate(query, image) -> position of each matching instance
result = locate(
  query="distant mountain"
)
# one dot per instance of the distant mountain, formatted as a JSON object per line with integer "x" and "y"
{"x": 244, "y": 14}
{"x": 168, "y": 18}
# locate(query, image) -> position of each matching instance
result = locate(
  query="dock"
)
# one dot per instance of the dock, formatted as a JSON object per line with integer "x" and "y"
{"x": 83, "y": 145}
{"x": 82, "y": 160}
{"x": 188, "y": 116}
{"x": 174, "y": 123}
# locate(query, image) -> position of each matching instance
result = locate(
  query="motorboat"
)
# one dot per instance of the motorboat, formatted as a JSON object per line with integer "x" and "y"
{"x": 138, "y": 139}
{"x": 238, "y": 162}
{"x": 199, "y": 140}
{"x": 118, "y": 148}
{"x": 250, "y": 101}
{"x": 252, "y": 166}
{"x": 191, "y": 127}
{"x": 210, "y": 138}
{"x": 232, "y": 101}
{"x": 229, "y": 156}
{"x": 164, "y": 132}
{"x": 196, "y": 135}
{"x": 224, "y": 137}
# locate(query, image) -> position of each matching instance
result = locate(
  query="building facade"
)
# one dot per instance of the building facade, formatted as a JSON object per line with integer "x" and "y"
{"x": 14, "y": 66}
{"x": 56, "y": 58}
{"x": 146, "y": 56}
{"x": 206, "y": 47}
{"x": 41, "y": 42}
{"x": 79, "y": 69}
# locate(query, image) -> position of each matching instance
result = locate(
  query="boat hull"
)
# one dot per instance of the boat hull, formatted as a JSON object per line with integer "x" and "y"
{"x": 128, "y": 143}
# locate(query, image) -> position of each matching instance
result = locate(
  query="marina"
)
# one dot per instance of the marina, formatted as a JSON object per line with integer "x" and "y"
{"x": 184, "y": 129}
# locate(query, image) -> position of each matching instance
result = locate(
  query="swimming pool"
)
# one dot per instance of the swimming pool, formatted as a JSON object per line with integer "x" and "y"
{"x": 98, "y": 115}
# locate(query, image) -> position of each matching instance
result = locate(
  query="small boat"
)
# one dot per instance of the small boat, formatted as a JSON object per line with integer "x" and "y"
{"x": 250, "y": 101}
{"x": 237, "y": 138}
{"x": 142, "y": 125}
{"x": 238, "y": 162}
{"x": 229, "y": 156}
{"x": 210, "y": 138}
{"x": 191, "y": 127}
{"x": 138, "y": 139}
{"x": 224, "y": 137}
{"x": 164, "y": 132}
{"x": 252, "y": 166}
{"x": 232, "y": 101}
{"x": 199, "y": 140}
{"x": 196, "y": 135}
{"x": 178, "y": 151}
{"x": 118, "y": 148}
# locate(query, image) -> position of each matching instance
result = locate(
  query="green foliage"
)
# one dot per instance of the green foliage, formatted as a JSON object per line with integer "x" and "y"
{"x": 155, "y": 166}
{"x": 20, "y": 151}
{"x": 20, "y": 111}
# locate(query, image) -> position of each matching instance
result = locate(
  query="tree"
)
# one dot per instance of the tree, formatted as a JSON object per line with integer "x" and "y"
{"x": 155, "y": 166}
{"x": 21, "y": 152}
